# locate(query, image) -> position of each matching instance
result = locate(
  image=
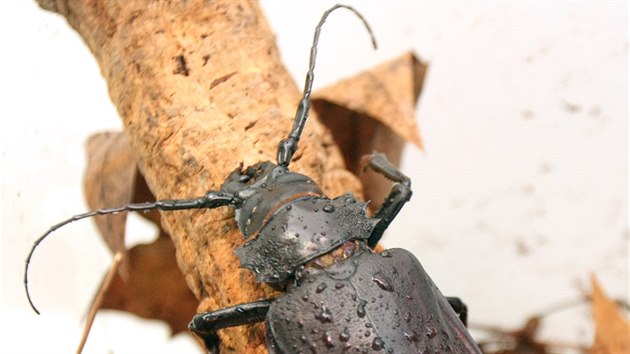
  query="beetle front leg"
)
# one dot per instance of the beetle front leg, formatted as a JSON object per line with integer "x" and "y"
{"x": 205, "y": 325}
{"x": 399, "y": 195}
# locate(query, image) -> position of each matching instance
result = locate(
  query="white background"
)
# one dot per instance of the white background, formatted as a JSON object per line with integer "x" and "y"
{"x": 520, "y": 194}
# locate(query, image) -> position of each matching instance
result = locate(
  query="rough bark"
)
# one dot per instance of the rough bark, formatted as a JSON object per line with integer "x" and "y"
{"x": 200, "y": 89}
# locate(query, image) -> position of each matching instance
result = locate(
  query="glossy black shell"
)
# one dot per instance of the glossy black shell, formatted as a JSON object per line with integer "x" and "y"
{"x": 261, "y": 188}
{"x": 302, "y": 230}
{"x": 370, "y": 303}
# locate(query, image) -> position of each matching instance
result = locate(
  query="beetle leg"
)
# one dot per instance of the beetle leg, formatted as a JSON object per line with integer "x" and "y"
{"x": 460, "y": 308}
{"x": 205, "y": 325}
{"x": 399, "y": 195}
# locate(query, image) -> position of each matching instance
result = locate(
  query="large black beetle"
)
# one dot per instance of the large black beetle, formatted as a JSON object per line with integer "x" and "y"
{"x": 340, "y": 296}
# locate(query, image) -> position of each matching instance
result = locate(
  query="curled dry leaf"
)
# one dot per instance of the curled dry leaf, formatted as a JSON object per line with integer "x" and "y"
{"x": 612, "y": 329}
{"x": 155, "y": 287}
{"x": 374, "y": 111}
{"x": 111, "y": 166}
{"x": 151, "y": 286}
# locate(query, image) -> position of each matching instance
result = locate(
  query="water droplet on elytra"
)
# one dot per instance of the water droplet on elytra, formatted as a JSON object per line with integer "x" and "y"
{"x": 361, "y": 308}
{"x": 430, "y": 332}
{"x": 328, "y": 340}
{"x": 324, "y": 315}
{"x": 378, "y": 344}
{"x": 412, "y": 337}
{"x": 321, "y": 287}
{"x": 328, "y": 208}
{"x": 382, "y": 281}
{"x": 345, "y": 335}
{"x": 407, "y": 317}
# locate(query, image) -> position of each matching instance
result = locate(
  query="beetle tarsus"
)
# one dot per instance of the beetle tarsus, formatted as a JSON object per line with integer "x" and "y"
{"x": 399, "y": 195}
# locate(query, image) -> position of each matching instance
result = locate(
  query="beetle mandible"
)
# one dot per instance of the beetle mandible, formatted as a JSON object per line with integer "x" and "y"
{"x": 340, "y": 296}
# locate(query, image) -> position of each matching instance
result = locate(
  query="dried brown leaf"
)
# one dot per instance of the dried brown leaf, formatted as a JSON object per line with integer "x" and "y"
{"x": 612, "y": 330}
{"x": 111, "y": 169}
{"x": 386, "y": 93}
{"x": 142, "y": 194}
{"x": 154, "y": 288}
{"x": 374, "y": 111}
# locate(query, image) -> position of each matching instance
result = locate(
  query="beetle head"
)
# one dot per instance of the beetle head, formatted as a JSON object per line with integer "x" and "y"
{"x": 261, "y": 189}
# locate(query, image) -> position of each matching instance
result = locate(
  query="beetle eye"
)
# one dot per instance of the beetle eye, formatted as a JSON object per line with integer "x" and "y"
{"x": 244, "y": 178}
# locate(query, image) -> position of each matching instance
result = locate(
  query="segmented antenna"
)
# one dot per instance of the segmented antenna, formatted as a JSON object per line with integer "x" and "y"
{"x": 288, "y": 145}
{"x": 211, "y": 200}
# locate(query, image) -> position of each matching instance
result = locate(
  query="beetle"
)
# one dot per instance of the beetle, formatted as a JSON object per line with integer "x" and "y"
{"x": 339, "y": 295}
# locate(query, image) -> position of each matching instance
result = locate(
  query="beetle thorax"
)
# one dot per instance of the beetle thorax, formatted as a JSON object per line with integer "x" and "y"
{"x": 262, "y": 189}
{"x": 302, "y": 230}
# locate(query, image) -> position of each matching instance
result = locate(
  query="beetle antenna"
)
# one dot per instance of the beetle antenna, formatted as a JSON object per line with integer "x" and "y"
{"x": 212, "y": 199}
{"x": 288, "y": 146}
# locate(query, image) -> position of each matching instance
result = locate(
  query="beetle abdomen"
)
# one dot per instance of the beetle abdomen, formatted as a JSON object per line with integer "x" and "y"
{"x": 369, "y": 303}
